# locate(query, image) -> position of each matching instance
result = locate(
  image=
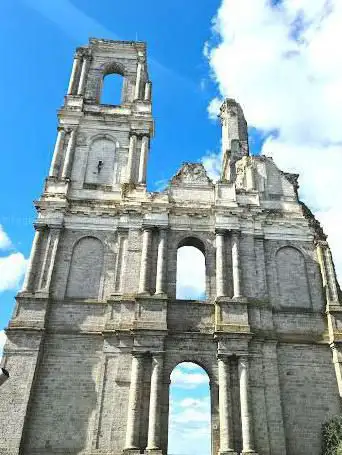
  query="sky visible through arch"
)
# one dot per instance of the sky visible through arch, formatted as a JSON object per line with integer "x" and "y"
{"x": 279, "y": 59}
{"x": 189, "y": 414}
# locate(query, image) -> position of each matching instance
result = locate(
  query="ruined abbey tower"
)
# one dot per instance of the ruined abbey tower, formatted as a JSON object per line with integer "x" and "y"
{"x": 97, "y": 328}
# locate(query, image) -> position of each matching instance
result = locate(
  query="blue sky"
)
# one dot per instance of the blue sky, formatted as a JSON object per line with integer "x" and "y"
{"x": 274, "y": 57}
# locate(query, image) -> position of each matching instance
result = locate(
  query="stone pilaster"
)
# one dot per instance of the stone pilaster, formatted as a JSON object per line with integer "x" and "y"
{"x": 138, "y": 80}
{"x": 153, "y": 443}
{"x": 66, "y": 171}
{"x": 161, "y": 262}
{"x": 121, "y": 260}
{"x": 57, "y": 153}
{"x": 133, "y": 415}
{"x": 337, "y": 359}
{"x": 327, "y": 271}
{"x": 30, "y": 271}
{"x": 225, "y": 406}
{"x": 143, "y": 159}
{"x": 74, "y": 73}
{"x": 220, "y": 264}
{"x": 144, "y": 265}
{"x": 83, "y": 77}
{"x": 246, "y": 418}
{"x": 260, "y": 266}
{"x": 250, "y": 177}
{"x": 148, "y": 89}
{"x": 236, "y": 268}
{"x": 131, "y": 155}
{"x": 273, "y": 401}
{"x": 331, "y": 275}
{"x": 54, "y": 236}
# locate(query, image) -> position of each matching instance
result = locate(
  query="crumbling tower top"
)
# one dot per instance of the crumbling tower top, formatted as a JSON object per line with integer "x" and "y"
{"x": 234, "y": 136}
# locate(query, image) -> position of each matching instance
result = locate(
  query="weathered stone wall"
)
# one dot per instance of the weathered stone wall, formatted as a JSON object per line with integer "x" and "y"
{"x": 97, "y": 329}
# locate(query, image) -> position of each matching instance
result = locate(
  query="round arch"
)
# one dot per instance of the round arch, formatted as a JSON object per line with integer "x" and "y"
{"x": 107, "y": 136}
{"x": 193, "y": 241}
{"x": 190, "y": 360}
{"x": 114, "y": 86}
{"x": 112, "y": 68}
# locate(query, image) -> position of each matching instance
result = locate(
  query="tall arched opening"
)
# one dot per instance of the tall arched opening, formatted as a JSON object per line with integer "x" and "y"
{"x": 112, "y": 88}
{"x": 191, "y": 270}
{"x": 112, "y": 84}
{"x": 189, "y": 411}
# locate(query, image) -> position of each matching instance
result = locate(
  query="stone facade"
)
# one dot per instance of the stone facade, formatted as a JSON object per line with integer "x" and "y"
{"x": 97, "y": 328}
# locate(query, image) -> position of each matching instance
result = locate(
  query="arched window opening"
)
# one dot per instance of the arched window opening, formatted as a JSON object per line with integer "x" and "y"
{"x": 191, "y": 271}
{"x": 189, "y": 411}
{"x": 112, "y": 89}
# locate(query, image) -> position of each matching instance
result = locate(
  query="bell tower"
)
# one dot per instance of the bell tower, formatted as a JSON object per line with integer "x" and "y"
{"x": 100, "y": 147}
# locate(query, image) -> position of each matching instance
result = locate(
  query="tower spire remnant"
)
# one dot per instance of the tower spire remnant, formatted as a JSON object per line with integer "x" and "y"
{"x": 234, "y": 137}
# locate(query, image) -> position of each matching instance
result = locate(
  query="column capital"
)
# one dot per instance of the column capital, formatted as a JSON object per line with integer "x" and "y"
{"x": 221, "y": 231}
{"x": 56, "y": 227}
{"x": 157, "y": 356}
{"x": 122, "y": 230}
{"x": 139, "y": 354}
{"x": 223, "y": 357}
{"x": 243, "y": 362}
{"x": 60, "y": 128}
{"x": 163, "y": 229}
{"x": 83, "y": 52}
{"x": 243, "y": 357}
{"x": 147, "y": 227}
{"x": 321, "y": 243}
{"x": 235, "y": 232}
{"x": 40, "y": 226}
{"x": 70, "y": 129}
{"x": 133, "y": 133}
{"x": 140, "y": 134}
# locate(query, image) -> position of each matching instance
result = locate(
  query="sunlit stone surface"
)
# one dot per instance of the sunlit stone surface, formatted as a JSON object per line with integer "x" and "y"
{"x": 98, "y": 329}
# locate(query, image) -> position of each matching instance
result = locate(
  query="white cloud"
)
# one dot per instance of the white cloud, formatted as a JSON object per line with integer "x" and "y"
{"x": 2, "y": 341}
{"x": 190, "y": 273}
{"x": 12, "y": 270}
{"x": 214, "y": 108}
{"x": 194, "y": 403}
{"x": 190, "y": 425}
{"x": 212, "y": 163}
{"x": 12, "y": 266}
{"x": 281, "y": 63}
{"x": 189, "y": 366}
{"x": 188, "y": 379}
{"x": 192, "y": 415}
{"x": 5, "y": 242}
